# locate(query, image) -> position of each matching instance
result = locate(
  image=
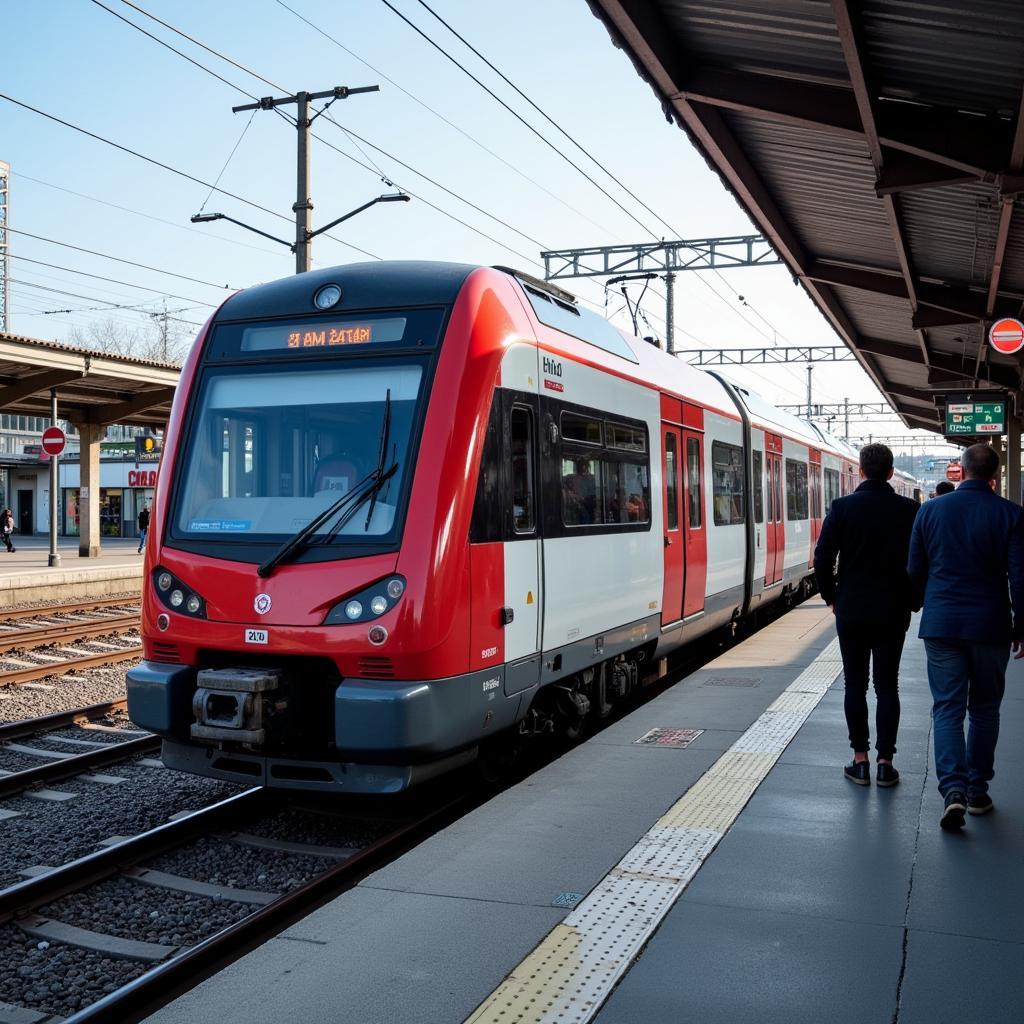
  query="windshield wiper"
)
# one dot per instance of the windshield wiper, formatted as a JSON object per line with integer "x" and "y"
{"x": 368, "y": 487}
{"x": 295, "y": 544}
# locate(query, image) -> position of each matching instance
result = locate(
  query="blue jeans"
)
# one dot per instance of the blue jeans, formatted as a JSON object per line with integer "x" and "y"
{"x": 967, "y": 680}
{"x": 142, "y": 538}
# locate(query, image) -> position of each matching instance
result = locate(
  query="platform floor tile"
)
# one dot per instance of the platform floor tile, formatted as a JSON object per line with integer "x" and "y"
{"x": 370, "y": 957}
{"x": 781, "y": 970}
{"x": 952, "y": 979}
{"x": 569, "y": 833}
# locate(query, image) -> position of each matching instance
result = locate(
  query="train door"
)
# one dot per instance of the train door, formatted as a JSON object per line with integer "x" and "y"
{"x": 522, "y": 553}
{"x": 814, "y": 507}
{"x": 695, "y": 584}
{"x": 675, "y": 527}
{"x": 775, "y": 534}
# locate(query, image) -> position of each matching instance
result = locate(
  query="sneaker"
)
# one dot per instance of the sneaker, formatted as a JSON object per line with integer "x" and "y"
{"x": 979, "y": 804}
{"x": 886, "y": 775}
{"x": 858, "y": 772}
{"x": 953, "y": 811}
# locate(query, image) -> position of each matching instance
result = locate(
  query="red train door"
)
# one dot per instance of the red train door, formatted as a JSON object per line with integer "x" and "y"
{"x": 675, "y": 533}
{"x": 696, "y": 534}
{"x": 775, "y": 531}
{"x": 814, "y": 507}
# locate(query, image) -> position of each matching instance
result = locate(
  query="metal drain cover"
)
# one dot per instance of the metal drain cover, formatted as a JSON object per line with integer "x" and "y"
{"x": 567, "y": 899}
{"x": 669, "y": 737}
{"x": 732, "y": 681}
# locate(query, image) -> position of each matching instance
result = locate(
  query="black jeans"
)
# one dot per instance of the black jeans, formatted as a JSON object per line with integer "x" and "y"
{"x": 879, "y": 644}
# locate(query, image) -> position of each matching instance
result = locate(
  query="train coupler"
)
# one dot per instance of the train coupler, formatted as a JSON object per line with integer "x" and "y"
{"x": 229, "y": 704}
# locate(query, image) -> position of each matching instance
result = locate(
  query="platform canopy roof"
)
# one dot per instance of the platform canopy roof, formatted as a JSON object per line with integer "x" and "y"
{"x": 92, "y": 387}
{"x": 879, "y": 145}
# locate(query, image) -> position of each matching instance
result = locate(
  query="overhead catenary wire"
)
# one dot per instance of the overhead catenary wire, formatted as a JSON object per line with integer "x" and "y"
{"x": 167, "y": 167}
{"x": 451, "y": 124}
{"x": 120, "y": 259}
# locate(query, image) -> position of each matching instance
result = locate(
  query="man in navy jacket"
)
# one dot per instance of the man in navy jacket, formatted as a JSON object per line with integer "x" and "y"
{"x": 869, "y": 532}
{"x": 967, "y": 561}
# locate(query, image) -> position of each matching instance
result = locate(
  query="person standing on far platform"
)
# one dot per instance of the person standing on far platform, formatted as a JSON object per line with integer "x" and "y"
{"x": 143, "y": 527}
{"x": 869, "y": 533}
{"x": 7, "y": 528}
{"x": 944, "y": 487}
{"x": 967, "y": 566}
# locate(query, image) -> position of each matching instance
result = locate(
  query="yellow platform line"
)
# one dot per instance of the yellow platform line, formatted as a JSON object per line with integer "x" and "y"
{"x": 569, "y": 975}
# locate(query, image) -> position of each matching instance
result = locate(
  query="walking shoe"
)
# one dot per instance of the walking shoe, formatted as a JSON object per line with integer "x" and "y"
{"x": 887, "y": 775}
{"x": 858, "y": 772}
{"x": 979, "y": 804}
{"x": 953, "y": 811}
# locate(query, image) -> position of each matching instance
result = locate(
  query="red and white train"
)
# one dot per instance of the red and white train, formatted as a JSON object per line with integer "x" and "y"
{"x": 408, "y": 510}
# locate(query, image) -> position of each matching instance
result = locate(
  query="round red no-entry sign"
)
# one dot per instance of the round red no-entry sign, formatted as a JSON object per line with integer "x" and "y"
{"x": 1007, "y": 336}
{"x": 54, "y": 440}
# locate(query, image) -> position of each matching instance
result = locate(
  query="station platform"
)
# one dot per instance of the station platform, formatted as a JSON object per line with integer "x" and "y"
{"x": 26, "y": 577}
{"x": 737, "y": 878}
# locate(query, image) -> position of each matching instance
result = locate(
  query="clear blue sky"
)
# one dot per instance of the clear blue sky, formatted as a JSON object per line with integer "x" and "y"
{"x": 73, "y": 59}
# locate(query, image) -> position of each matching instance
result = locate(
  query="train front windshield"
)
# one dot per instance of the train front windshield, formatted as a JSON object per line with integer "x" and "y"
{"x": 270, "y": 448}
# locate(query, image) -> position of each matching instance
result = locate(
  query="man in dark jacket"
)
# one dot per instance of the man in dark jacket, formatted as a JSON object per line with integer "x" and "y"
{"x": 967, "y": 560}
{"x": 869, "y": 532}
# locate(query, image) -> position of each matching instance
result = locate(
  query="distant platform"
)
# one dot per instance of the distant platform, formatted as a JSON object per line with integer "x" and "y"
{"x": 26, "y": 577}
{"x": 737, "y": 878}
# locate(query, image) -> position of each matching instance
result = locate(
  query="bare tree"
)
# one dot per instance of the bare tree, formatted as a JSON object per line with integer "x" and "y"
{"x": 164, "y": 339}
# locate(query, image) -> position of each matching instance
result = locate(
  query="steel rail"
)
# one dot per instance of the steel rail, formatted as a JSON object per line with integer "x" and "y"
{"x": 29, "y": 675}
{"x": 54, "y": 771}
{"x": 8, "y": 615}
{"x": 148, "y": 992}
{"x": 65, "y": 632}
{"x": 58, "y": 720}
{"x": 95, "y": 867}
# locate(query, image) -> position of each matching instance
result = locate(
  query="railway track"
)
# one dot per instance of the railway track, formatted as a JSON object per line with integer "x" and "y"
{"x": 166, "y": 970}
{"x": 60, "y": 628}
{"x": 56, "y": 765}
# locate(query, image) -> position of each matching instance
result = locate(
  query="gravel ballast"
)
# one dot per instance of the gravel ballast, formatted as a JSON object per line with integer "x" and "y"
{"x": 93, "y": 686}
{"x": 54, "y": 833}
{"x": 57, "y": 979}
{"x": 146, "y": 913}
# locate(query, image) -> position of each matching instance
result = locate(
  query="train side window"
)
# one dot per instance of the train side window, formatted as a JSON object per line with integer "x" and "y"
{"x": 796, "y": 489}
{"x": 582, "y": 491}
{"x": 580, "y": 429}
{"x": 523, "y": 503}
{"x": 727, "y": 481}
{"x": 816, "y": 491}
{"x": 671, "y": 483}
{"x": 693, "y": 483}
{"x": 778, "y": 492}
{"x": 487, "y": 524}
{"x": 626, "y": 491}
{"x": 758, "y": 488}
{"x": 831, "y": 488}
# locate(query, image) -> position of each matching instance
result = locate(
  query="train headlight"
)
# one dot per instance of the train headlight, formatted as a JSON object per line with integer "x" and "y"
{"x": 370, "y": 603}
{"x": 177, "y": 596}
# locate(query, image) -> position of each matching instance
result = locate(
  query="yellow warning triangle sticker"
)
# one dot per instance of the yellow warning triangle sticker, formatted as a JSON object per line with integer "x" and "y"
{"x": 529, "y": 597}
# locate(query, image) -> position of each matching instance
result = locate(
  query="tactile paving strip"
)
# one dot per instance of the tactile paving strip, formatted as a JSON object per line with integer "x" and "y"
{"x": 567, "y": 978}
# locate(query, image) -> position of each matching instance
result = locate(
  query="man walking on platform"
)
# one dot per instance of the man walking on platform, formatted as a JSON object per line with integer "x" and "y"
{"x": 967, "y": 561}
{"x": 869, "y": 532}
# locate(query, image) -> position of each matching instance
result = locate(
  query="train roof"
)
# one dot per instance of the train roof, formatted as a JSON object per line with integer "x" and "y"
{"x": 363, "y": 286}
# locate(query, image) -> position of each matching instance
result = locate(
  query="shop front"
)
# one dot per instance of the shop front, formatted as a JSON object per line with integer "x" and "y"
{"x": 125, "y": 489}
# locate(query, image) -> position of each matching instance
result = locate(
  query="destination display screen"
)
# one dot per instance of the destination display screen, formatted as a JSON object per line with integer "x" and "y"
{"x": 322, "y": 335}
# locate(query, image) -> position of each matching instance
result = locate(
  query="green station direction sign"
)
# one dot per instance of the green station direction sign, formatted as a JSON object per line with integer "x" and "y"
{"x": 967, "y": 416}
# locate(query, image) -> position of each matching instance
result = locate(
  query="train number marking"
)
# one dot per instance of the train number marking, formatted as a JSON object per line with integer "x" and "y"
{"x": 491, "y": 684}
{"x": 488, "y": 652}
{"x": 256, "y": 636}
